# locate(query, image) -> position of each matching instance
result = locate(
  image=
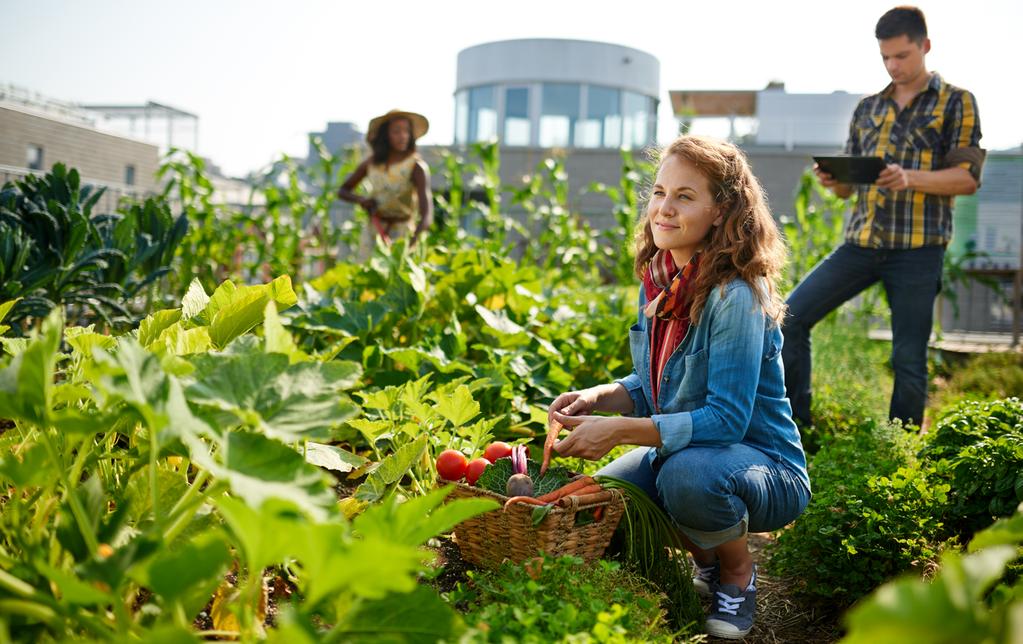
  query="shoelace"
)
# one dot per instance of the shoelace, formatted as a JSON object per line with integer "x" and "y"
{"x": 705, "y": 573}
{"x": 729, "y": 604}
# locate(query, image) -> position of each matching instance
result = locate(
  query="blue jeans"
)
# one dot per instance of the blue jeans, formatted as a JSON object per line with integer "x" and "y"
{"x": 911, "y": 279}
{"x": 716, "y": 494}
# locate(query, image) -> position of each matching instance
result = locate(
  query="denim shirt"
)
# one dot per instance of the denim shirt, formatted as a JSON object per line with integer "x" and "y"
{"x": 724, "y": 384}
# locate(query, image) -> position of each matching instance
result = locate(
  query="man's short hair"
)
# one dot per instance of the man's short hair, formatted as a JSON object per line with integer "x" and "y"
{"x": 902, "y": 21}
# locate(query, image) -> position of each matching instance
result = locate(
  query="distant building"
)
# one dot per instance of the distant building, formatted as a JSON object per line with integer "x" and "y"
{"x": 336, "y": 137}
{"x": 162, "y": 125}
{"x": 37, "y": 132}
{"x": 778, "y": 130}
{"x": 538, "y": 97}
{"x": 551, "y": 93}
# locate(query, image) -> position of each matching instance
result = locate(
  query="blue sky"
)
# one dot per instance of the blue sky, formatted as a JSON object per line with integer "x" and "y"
{"x": 262, "y": 74}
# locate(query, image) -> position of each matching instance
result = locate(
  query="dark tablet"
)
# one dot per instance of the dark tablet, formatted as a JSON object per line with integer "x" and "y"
{"x": 847, "y": 169}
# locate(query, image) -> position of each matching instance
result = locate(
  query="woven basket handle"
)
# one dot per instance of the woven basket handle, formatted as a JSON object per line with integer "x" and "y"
{"x": 575, "y": 503}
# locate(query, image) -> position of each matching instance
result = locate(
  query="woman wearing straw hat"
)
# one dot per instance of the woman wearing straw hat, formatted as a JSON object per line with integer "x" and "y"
{"x": 398, "y": 178}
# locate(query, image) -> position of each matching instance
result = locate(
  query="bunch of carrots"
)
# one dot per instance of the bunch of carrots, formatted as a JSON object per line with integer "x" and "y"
{"x": 580, "y": 487}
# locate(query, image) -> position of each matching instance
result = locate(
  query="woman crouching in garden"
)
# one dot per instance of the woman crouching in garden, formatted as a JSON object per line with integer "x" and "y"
{"x": 721, "y": 454}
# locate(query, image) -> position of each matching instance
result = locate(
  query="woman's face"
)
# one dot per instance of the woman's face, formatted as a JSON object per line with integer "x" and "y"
{"x": 399, "y": 134}
{"x": 681, "y": 210}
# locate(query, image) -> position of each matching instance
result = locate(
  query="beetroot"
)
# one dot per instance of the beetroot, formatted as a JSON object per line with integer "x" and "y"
{"x": 519, "y": 485}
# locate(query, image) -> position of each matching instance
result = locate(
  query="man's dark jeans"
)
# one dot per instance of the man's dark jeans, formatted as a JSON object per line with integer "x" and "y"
{"x": 911, "y": 278}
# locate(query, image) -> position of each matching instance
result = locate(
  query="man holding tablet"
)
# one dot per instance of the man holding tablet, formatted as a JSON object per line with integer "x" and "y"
{"x": 927, "y": 133}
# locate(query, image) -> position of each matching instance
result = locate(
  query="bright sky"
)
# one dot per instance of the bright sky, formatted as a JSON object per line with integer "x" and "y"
{"x": 262, "y": 74}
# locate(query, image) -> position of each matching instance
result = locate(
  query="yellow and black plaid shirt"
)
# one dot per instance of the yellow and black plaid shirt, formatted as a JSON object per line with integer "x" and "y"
{"x": 939, "y": 129}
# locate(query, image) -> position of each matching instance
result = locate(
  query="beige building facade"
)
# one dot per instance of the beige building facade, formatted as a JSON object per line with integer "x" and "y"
{"x": 32, "y": 141}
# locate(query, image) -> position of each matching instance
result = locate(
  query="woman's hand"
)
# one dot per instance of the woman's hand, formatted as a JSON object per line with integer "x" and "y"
{"x": 590, "y": 437}
{"x": 573, "y": 403}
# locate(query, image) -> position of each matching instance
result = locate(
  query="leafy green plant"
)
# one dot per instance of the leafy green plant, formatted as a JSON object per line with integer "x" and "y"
{"x": 869, "y": 519}
{"x": 137, "y": 469}
{"x": 951, "y": 607}
{"x": 55, "y": 252}
{"x": 980, "y": 447}
{"x": 560, "y": 600}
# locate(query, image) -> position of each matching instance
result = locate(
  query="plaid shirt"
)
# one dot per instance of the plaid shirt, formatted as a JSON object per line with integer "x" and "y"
{"x": 939, "y": 129}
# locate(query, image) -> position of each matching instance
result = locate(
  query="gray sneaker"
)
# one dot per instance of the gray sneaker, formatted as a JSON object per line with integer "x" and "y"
{"x": 706, "y": 578}
{"x": 732, "y": 614}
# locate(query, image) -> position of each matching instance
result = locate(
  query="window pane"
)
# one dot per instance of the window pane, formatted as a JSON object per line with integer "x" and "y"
{"x": 603, "y": 124}
{"x": 516, "y": 116}
{"x": 482, "y": 114}
{"x": 34, "y": 157}
{"x": 555, "y": 131}
{"x": 462, "y": 117}
{"x": 559, "y": 114}
{"x": 587, "y": 133}
{"x": 638, "y": 120}
{"x": 129, "y": 175}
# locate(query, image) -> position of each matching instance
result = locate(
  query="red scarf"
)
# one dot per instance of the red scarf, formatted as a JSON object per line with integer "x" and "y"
{"x": 669, "y": 293}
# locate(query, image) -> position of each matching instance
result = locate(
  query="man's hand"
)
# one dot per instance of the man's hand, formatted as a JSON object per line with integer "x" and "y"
{"x": 894, "y": 177}
{"x": 591, "y": 437}
{"x": 843, "y": 190}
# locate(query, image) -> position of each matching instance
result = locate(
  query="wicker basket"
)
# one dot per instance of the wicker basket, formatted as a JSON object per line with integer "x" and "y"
{"x": 488, "y": 540}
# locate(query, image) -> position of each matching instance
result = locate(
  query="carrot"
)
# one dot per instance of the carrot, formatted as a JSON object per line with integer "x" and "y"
{"x": 589, "y": 489}
{"x": 598, "y": 513}
{"x": 523, "y": 499}
{"x": 568, "y": 488}
{"x": 548, "y": 444}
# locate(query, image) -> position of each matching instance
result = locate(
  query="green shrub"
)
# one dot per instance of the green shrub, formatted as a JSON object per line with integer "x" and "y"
{"x": 978, "y": 448}
{"x": 872, "y": 515}
{"x": 561, "y": 600}
{"x": 966, "y": 601}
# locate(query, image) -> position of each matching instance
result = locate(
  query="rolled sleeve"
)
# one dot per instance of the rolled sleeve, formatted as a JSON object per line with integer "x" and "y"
{"x": 962, "y": 135}
{"x": 676, "y": 431}
{"x": 634, "y": 386}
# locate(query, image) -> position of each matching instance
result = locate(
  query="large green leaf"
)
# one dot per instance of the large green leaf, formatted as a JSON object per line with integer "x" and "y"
{"x": 335, "y": 563}
{"x": 266, "y": 533}
{"x": 233, "y": 312}
{"x": 195, "y": 301}
{"x": 278, "y": 340}
{"x": 418, "y": 617}
{"x": 6, "y": 307}
{"x": 948, "y": 609}
{"x": 288, "y": 401}
{"x": 258, "y": 469}
{"x": 332, "y": 458}
{"x": 29, "y": 467}
{"x": 83, "y": 340}
{"x": 382, "y": 480}
{"x": 459, "y": 407}
{"x": 418, "y": 519}
{"x": 188, "y": 574}
{"x": 26, "y": 383}
{"x": 1004, "y": 531}
{"x": 73, "y": 590}
{"x": 153, "y": 326}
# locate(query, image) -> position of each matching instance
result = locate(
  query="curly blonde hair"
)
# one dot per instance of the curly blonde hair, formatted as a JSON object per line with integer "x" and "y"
{"x": 746, "y": 245}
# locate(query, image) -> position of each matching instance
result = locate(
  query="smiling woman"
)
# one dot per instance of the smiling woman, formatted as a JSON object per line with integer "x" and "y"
{"x": 719, "y": 452}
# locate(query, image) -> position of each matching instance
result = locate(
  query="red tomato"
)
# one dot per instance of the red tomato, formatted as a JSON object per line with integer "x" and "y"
{"x": 497, "y": 450}
{"x": 451, "y": 465}
{"x": 475, "y": 468}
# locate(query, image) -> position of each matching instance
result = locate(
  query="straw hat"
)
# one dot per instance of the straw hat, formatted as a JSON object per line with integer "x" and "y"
{"x": 419, "y": 123}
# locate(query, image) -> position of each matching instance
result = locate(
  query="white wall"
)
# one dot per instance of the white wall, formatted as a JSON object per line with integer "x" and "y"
{"x": 791, "y": 120}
